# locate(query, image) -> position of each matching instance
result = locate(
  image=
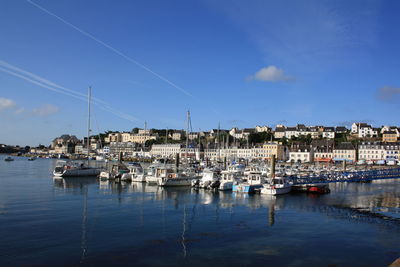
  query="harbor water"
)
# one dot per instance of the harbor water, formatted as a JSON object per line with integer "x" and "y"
{"x": 84, "y": 221}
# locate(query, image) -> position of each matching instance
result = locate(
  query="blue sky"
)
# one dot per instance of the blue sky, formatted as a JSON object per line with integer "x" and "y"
{"x": 240, "y": 63}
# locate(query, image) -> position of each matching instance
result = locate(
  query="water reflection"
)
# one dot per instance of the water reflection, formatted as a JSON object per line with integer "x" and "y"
{"x": 368, "y": 202}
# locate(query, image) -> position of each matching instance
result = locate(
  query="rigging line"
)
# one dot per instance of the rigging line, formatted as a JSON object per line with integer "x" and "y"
{"x": 111, "y": 48}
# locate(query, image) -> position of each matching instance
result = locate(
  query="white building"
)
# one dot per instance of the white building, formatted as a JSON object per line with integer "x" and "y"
{"x": 125, "y": 137}
{"x": 329, "y": 132}
{"x": 373, "y": 151}
{"x": 301, "y": 155}
{"x": 364, "y": 130}
{"x": 165, "y": 150}
{"x": 261, "y": 129}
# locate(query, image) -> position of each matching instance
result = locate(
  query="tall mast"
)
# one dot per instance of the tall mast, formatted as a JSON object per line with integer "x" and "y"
{"x": 88, "y": 129}
{"x": 187, "y": 135}
{"x": 219, "y": 148}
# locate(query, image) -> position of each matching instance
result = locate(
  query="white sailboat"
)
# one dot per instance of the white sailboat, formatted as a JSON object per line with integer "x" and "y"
{"x": 73, "y": 169}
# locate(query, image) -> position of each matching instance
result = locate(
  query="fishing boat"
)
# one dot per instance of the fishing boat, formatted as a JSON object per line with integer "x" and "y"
{"x": 9, "y": 159}
{"x": 253, "y": 180}
{"x": 168, "y": 176}
{"x": 209, "y": 179}
{"x": 32, "y": 158}
{"x": 149, "y": 174}
{"x": 276, "y": 186}
{"x": 227, "y": 180}
{"x": 135, "y": 173}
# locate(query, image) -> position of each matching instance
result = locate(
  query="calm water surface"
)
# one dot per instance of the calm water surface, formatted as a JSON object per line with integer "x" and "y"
{"x": 81, "y": 221}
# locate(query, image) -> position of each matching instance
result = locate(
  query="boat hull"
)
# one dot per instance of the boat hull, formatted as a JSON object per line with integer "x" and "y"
{"x": 271, "y": 190}
{"x": 174, "y": 181}
{"x": 245, "y": 188}
{"x": 225, "y": 186}
{"x": 78, "y": 172}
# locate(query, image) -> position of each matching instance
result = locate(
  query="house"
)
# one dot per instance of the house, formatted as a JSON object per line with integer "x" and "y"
{"x": 363, "y": 130}
{"x": 290, "y": 132}
{"x": 314, "y": 132}
{"x": 355, "y": 127}
{"x": 329, "y": 133}
{"x": 340, "y": 129}
{"x": 279, "y": 132}
{"x": 274, "y": 148}
{"x": 262, "y": 129}
{"x": 323, "y": 150}
{"x": 113, "y": 137}
{"x": 371, "y": 151}
{"x": 389, "y": 136}
{"x": 176, "y": 135}
{"x": 301, "y": 153}
{"x": 345, "y": 152}
{"x": 392, "y": 151}
{"x": 390, "y": 128}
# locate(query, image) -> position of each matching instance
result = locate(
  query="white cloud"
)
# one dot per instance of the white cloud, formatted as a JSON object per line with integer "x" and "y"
{"x": 6, "y": 103}
{"x": 45, "y": 110}
{"x": 271, "y": 74}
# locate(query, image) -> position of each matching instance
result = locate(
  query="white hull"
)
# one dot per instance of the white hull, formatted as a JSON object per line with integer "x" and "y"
{"x": 77, "y": 172}
{"x": 270, "y": 190}
{"x": 104, "y": 175}
{"x": 151, "y": 180}
{"x": 139, "y": 179}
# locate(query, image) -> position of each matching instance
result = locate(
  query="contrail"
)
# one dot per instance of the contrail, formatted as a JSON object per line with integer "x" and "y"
{"x": 112, "y": 49}
{"x": 44, "y": 83}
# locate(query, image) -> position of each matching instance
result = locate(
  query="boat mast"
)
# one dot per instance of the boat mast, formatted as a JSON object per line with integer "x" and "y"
{"x": 187, "y": 136}
{"x": 219, "y": 148}
{"x": 88, "y": 129}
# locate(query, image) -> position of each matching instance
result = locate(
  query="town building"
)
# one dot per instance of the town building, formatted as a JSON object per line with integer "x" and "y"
{"x": 165, "y": 150}
{"x": 389, "y": 136}
{"x": 262, "y": 129}
{"x": 345, "y": 152}
{"x": 113, "y": 137}
{"x": 371, "y": 151}
{"x": 329, "y": 133}
{"x": 279, "y": 132}
{"x": 301, "y": 153}
{"x": 274, "y": 149}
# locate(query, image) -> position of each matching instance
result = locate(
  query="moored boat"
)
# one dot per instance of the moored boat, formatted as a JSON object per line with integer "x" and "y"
{"x": 227, "y": 180}
{"x": 74, "y": 169}
{"x": 9, "y": 159}
{"x": 135, "y": 173}
{"x": 114, "y": 171}
{"x": 276, "y": 186}
{"x": 254, "y": 180}
{"x": 209, "y": 179}
{"x": 168, "y": 176}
